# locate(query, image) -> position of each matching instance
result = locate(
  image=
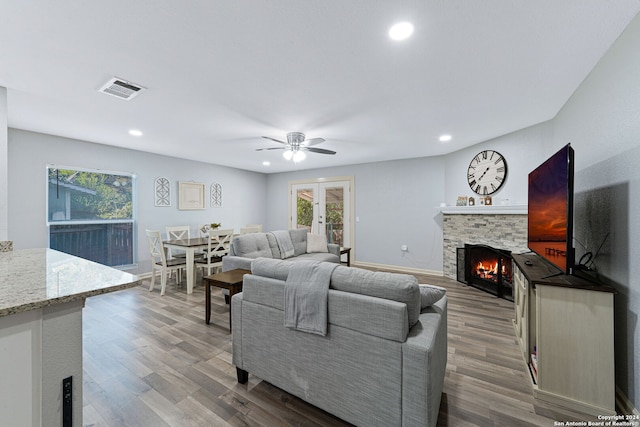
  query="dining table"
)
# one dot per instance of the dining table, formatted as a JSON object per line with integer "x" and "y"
{"x": 189, "y": 246}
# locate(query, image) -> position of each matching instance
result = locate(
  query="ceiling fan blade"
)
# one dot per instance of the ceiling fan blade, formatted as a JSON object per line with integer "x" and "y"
{"x": 272, "y": 148}
{"x": 318, "y": 150}
{"x": 312, "y": 141}
{"x": 276, "y": 140}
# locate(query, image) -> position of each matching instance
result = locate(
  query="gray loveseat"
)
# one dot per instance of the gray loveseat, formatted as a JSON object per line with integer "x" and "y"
{"x": 382, "y": 362}
{"x": 247, "y": 247}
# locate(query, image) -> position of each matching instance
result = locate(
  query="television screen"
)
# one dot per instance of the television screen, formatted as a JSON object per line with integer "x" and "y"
{"x": 550, "y": 219}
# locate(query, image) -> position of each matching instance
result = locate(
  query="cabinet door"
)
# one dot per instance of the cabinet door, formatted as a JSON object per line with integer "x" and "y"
{"x": 520, "y": 322}
{"x": 575, "y": 348}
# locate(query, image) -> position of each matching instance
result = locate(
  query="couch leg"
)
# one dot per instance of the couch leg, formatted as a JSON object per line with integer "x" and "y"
{"x": 226, "y": 299}
{"x": 243, "y": 376}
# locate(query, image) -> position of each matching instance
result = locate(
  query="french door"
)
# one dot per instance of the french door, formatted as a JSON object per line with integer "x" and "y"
{"x": 323, "y": 207}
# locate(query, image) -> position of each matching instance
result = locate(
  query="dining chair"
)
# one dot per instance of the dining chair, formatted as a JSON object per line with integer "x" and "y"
{"x": 159, "y": 260}
{"x": 251, "y": 228}
{"x": 175, "y": 233}
{"x": 217, "y": 247}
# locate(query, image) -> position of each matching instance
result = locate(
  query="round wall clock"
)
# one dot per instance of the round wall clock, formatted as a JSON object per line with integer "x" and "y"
{"x": 487, "y": 172}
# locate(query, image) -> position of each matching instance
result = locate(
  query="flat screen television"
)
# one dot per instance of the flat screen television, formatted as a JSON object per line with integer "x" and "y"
{"x": 550, "y": 219}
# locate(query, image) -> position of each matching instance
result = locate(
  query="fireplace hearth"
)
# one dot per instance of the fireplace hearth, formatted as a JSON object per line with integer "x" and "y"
{"x": 486, "y": 268}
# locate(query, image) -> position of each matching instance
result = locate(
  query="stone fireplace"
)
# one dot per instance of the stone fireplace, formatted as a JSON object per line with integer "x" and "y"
{"x": 503, "y": 227}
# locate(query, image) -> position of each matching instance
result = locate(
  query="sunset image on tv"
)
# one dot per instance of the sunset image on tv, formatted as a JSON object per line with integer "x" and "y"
{"x": 548, "y": 209}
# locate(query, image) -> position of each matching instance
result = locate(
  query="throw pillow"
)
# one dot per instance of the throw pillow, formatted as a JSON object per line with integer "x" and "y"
{"x": 316, "y": 243}
{"x": 430, "y": 294}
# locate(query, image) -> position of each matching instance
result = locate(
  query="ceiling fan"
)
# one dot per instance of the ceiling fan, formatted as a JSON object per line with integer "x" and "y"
{"x": 296, "y": 145}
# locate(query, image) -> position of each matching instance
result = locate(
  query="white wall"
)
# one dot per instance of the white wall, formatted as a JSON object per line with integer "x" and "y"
{"x": 523, "y": 151}
{"x": 243, "y": 192}
{"x": 602, "y": 122}
{"x": 396, "y": 203}
{"x": 4, "y": 162}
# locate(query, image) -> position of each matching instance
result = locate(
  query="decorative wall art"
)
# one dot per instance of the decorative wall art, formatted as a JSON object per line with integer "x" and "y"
{"x": 190, "y": 195}
{"x": 162, "y": 192}
{"x": 6, "y": 245}
{"x": 216, "y": 195}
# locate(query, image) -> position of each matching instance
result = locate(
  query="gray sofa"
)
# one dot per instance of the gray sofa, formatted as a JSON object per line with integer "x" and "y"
{"x": 247, "y": 247}
{"x": 382, "y": 362}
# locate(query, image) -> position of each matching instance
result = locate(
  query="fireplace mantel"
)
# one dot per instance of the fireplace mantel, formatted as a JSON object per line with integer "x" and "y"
{"x": 485, "y": 210}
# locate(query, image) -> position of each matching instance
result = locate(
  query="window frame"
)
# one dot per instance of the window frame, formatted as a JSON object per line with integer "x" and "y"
{"x": 133, "y": 220}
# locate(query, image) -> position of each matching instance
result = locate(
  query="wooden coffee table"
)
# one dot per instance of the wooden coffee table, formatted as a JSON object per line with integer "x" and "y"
{"x": 230, "y": 280}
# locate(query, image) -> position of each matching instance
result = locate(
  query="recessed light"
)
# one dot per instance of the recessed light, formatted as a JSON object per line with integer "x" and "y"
{"x": 135, "y": 132}
{"x": 445, "y": 138}
{"x": 401, "y": 31}
{"x": 265, "y": 163}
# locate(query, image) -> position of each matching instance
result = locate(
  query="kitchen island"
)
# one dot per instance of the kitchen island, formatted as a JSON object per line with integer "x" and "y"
{"x": 42, "y": 293}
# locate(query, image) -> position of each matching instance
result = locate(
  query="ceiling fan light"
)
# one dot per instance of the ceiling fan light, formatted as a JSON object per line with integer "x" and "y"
{"x": 299, "y": 156}
{"x": 288, "y": 154}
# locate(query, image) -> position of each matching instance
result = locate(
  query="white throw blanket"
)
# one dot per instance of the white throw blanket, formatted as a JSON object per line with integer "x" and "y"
{"x": 283, "y": 238}
{"x": 306, "y": 293}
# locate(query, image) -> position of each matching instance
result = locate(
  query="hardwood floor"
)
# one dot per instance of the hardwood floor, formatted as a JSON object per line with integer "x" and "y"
{"x": 152, "y": 361}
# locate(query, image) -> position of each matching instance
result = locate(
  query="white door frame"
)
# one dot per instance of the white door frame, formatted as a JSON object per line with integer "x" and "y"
{"x": 309, "y": 183}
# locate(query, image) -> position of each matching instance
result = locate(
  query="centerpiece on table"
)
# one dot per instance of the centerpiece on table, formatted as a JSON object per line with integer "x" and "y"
{"x": 208, "y": 227}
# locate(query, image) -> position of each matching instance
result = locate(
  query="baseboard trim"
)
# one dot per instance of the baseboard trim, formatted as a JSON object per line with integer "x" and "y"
{"x": 624, "y": 405}
{"x": 397, "y": 268}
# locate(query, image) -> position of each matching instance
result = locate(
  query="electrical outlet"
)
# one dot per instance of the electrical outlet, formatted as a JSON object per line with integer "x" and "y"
{"x": 404, "y": 248}
{"x": 67, "y": 402}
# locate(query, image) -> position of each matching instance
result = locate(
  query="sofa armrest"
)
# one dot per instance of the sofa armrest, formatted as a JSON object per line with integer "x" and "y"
{"x": 231, "y": 262}
{"x": 424, "y": 362}
{"x": 333, "y": 248}
{"x": 236, "y": 321}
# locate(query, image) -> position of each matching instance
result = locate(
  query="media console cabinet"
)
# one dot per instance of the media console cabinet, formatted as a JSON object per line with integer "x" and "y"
{"x": 564, "y": 325}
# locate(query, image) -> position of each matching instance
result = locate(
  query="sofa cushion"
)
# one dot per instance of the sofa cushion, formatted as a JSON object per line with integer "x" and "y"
{"x": 430, "y": 294}
{"x": 273, "y": 244}
{"x": 318, "y": 256}
{"x": 372, "y": 316}
{"x": 316, "y": 243}
{"x": 272, "y": 268}
{"x": 393, "y": 286}
{"x": 299, "y": 239}
{"x": 253, "y": 245}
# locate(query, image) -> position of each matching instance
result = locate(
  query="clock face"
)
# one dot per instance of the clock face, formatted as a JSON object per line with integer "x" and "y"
{"x": 487, "y": 172}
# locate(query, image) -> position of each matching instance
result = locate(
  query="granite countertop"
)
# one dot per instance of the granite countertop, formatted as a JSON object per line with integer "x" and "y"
{"x": 34, "y": 278}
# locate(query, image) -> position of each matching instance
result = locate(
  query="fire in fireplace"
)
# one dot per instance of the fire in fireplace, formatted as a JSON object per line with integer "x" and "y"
{"x": 486, "y": 268}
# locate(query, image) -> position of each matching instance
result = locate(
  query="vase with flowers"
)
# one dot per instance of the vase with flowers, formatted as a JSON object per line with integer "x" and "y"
{"x": 208, "y": 227}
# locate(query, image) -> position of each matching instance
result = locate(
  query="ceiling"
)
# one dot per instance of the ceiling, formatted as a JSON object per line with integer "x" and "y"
{"x": 220, "y": 74}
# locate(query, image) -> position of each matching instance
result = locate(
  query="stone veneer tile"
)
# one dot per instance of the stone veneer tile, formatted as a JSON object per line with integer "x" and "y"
{"x": 500, "y": 231}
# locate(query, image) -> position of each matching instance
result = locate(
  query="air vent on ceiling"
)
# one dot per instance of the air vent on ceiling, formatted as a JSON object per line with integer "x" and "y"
{"x": 121, "y": 89}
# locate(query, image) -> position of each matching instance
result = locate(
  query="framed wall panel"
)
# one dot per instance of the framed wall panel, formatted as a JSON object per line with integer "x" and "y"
{"x": 190, "y": 195}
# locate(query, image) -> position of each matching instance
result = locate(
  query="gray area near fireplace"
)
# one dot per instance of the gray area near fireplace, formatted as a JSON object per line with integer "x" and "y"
{"x": 505, "y": 231}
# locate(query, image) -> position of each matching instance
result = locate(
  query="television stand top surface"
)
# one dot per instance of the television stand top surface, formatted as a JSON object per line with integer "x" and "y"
{"x": 539, "y": 271}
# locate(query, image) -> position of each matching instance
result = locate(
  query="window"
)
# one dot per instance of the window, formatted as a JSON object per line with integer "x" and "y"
{"x": 90, "y": 214}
